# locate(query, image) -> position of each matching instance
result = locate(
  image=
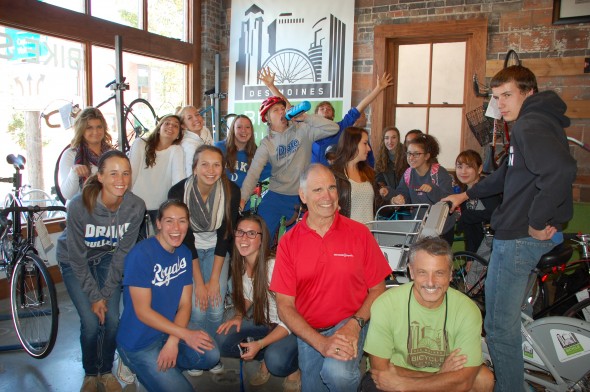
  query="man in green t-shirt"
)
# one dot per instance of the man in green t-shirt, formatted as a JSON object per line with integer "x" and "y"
{"x": 424, "y": 335}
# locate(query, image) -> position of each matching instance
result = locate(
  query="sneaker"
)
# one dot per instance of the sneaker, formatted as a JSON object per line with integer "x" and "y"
{"x": 90, "y": 384}
{"x": 195, "y": 372}
{"x": 217, "y": 368}
{"x": 260, "y": 378}
{"x": 110, "y": 383}
{"x": 125, "y": 374}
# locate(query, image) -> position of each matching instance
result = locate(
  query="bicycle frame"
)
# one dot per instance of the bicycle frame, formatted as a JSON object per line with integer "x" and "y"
{"x": 555, "y": 350}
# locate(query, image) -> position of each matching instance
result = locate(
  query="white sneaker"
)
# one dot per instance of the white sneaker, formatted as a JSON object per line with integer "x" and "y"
{"x": 124, "y": 373}
{"x": 195, "y": 372}
{"x": 219, "y": 368}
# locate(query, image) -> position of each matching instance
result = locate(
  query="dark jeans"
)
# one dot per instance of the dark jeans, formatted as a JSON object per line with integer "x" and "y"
{"x": 98, "y": 342}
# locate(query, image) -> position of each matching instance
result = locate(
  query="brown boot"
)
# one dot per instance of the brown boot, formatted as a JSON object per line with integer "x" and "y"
{"x": 90, "y": 384}
{"x": 110, "y": 383}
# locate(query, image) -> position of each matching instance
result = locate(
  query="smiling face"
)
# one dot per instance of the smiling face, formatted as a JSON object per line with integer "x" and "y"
{"x": 417, "y": 158}
{"x": 94, "y": 133}
{"x": 169, "y": 131}
{"x": 208, "y": 168}
{"x": 172, "y": 227}
{"x": 276, "y": 117}
{"x": 466, "y": 174}
{"x": 363, "y": 148}
{"x": 242, "y": 131}
{"x": 320, "y": 194}
{"x": 510, "y": 99}
{"x": 248, "y": 247}
{"x": 432, "y": 276}
{"x": 391, "y": 139}
{"x": 192, "y": 120}
{"x": 115, "y": 179}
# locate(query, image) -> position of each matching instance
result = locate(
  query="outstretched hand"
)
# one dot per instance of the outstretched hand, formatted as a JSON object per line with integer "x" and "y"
{"x": 384, "y": 81}
{"x": 266, "y": 76}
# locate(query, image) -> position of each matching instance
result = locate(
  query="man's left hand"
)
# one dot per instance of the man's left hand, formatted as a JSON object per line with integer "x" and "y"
{"x": 386, "y": 380}
{"x": 167, "y": 356}
{"x": 543, "y": 234}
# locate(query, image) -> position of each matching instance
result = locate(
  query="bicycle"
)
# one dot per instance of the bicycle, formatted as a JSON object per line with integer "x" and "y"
{"x": 225, "y": 122}
{"x": 33, "y": 299}
{"x": 139, "y": 118}
{"x": 470, "y": 271}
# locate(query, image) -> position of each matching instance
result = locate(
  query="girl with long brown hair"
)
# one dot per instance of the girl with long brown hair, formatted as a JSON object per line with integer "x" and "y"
{"x": 391, "y": 161}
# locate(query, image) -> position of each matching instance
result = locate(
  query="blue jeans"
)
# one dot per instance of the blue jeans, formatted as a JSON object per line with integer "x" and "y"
{"x": 98, "y": 342}
{"x": 144, "y": 364}
{"x": 510, "y": 266}
{"x": 320, "y": 374}
{"x": 274, "y": 206}
{"x": 280, "y": 357}
{"x": 211, "y": 318}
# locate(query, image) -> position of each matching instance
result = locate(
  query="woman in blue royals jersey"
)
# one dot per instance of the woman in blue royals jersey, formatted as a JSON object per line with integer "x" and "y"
{"x": 153, "y": 338}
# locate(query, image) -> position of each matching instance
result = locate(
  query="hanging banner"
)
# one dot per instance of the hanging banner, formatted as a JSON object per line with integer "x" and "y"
{"x": 307, "y": 44}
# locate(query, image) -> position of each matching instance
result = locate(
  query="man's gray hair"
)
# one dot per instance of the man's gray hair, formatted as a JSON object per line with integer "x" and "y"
{"x": 305, "y": 173}
{"x": 434, "y": 246}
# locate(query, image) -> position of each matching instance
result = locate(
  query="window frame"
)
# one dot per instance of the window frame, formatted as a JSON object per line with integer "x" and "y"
{"x": 388, "y": 37}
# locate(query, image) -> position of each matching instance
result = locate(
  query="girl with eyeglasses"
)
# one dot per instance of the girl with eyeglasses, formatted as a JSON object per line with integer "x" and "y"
{"x": 391, "y": 162}
{"x": 213, "y": 203}
{"x": 255, "y": 310}
{"x": 425, "y": 181}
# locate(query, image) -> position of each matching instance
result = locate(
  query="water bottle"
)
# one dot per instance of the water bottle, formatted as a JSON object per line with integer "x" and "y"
{"x": 297, "y": 110}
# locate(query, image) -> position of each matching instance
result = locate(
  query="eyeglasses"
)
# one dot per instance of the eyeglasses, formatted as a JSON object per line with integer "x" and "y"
{"x": 250, "y": 234}
{"x": 414, "y": 154}
{"x": 421, "y": 355}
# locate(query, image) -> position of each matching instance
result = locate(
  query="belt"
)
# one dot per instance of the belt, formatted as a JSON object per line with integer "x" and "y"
{"x": 324, "y": 329}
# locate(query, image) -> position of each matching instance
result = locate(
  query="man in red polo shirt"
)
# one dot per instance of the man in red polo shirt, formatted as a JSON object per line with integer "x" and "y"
{"x": 329, "y": 270}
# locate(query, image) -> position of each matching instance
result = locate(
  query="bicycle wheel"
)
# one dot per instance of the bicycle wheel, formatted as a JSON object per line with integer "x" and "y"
{"x": 140, "y": 118}
{"x": 539, "y": 297}
{"x": 511, "y": 58}
{"x": 60, "y": 195}
{"x": 469, "y": 274}
{"x": 34, "y": 306}
{"x": 225, "y": 124}
{"x": 581, "y": 310}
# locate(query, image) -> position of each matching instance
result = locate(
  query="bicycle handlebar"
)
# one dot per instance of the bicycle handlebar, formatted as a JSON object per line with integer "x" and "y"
{"x": 7, "y": 179}
{"x": 30, "y": 209}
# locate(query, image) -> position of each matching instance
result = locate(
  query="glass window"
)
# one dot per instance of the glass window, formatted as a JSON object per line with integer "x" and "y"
{"x": 41, "y": 75}
{"x": 413, "y": 74}
{"x": 72, "y": 5}
{"x": 445, "y": 125}
{"x": 162, "y": 83}
{"x": 448, "y": 73}
{"x": 167, "y": 18}
{"x": 125, "y": 12}
{"x": 407, "y": 119}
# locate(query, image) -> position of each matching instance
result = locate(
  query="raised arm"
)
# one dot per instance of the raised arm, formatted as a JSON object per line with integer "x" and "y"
{"x": 383, "y": 82}
{"x": 266, "y": 76}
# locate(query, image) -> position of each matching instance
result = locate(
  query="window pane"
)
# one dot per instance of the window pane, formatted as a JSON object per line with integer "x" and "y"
{"x": 448, "y": 73}
{"x": 445, "y": 125}
{"x": 407, "y": 119}
{"x": 40, "y": 74}
{"x": 162, "y": 83}
{"x": 72, "y": 5}
{"x": 124, "y": 12}
{"x": 412, "y": 76}
{"x": 167, "y": 18}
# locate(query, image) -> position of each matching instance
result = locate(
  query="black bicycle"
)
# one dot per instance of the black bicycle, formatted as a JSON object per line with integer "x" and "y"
{"x": 33, "y": 299}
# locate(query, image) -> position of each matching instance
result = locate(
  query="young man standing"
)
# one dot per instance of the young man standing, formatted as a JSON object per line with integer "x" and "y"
{"x": 536, "y": 181}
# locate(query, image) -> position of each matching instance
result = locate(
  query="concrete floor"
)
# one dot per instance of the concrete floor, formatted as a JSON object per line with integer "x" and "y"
{"x": 62, "y": 371}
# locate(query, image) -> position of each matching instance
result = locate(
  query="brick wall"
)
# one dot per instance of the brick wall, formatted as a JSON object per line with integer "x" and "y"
{"x": 525, "y": 26}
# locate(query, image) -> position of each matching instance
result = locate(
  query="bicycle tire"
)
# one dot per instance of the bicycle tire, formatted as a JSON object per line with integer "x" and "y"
{"x": 469, "y": 274}
{"x": 581, "y": 310}
{"x": 511, "y": 58}
{"x": 140, "y": 118}
{"x": 60, "y": 195}
{"x": 33, "y": 302}
{"x": 225, "y": 125}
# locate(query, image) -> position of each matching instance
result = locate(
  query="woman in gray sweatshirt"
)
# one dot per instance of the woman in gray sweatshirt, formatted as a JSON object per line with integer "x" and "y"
{"x": 102, "y": 226}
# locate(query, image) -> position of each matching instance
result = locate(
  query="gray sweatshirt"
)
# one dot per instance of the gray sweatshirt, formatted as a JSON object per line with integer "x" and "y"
{"x": 289, "y": 153}
{"x": 90, "y": 236}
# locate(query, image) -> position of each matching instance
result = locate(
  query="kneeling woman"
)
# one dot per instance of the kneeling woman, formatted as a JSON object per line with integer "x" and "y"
{"x": 153, "y": 339}
{"x": 256, "y": 311}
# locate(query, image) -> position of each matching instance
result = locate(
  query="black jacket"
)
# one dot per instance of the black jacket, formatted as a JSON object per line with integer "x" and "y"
{"x": 537, "y": 177}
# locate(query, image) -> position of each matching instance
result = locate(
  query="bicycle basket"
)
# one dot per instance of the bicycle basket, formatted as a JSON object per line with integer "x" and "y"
{"x": 481, "y": 126}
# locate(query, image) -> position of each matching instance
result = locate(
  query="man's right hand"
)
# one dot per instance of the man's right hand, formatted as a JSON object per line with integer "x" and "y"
{"x": 456, "y": 200}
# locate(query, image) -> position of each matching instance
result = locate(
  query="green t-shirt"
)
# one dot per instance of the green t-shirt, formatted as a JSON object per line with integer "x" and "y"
{"x": 387, "y": 336}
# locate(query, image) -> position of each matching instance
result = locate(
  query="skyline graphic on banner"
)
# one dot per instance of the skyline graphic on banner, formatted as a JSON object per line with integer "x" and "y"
{"x": 312, "y": 70}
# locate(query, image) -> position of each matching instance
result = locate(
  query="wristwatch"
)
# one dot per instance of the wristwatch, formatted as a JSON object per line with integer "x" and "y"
{"x": 362, "y": 322}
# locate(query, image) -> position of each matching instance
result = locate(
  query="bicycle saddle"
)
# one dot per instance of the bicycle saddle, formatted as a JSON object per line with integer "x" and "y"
{"x": 17, "y": 161}
{"x": 556, "y": 256}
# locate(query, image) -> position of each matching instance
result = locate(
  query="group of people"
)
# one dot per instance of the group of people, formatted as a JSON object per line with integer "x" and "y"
{"x": 171, "y": 232}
